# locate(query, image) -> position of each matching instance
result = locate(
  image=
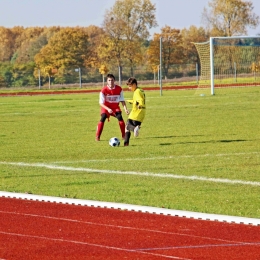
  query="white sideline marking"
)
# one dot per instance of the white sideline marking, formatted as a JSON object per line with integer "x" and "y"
{"x": 137, "y": 208}
{"x": 161, "y": 157}
{"x": 150, "y": 174}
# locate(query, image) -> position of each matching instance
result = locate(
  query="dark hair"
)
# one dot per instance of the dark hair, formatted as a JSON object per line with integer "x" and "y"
{"x": 131, "y": 81}
{"x": 111, "y": 76}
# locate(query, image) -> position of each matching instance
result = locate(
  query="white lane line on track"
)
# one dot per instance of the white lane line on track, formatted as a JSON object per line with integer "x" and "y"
{"x": 121, "y": 227}
{"x": 201, "y": 246}
{"x": 91, "y": 244}
{"x": 148, "y": 174}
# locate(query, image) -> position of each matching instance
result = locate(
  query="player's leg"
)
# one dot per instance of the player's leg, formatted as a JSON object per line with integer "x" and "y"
{"x": 131, "y": 125}
{"x": 121, "y": 123}
{"x": 136, "y": 130}
{"x": 100, "y": 126}
{"x": 134, "y": 126}
{"x": 127, "y": 132}
{"x": 127, "y": 137}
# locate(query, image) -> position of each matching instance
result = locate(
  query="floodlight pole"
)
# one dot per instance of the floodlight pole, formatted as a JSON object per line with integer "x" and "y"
{"x": 161, "y": 66}
{"x": 158, "y": 68}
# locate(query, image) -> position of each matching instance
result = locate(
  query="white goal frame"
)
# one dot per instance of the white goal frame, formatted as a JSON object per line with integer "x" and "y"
{"x": 239, "y": 58}
{"x": 211, "y": 43}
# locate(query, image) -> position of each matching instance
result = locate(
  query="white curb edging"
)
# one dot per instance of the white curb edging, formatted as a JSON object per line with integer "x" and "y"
{"x": 137, "y": 208}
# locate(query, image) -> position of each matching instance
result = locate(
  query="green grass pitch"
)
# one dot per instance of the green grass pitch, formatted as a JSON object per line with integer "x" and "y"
{"x": 194, "y": 152}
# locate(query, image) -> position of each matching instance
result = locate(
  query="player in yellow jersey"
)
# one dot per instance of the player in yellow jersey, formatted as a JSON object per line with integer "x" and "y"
{"x": 137, "y": 114}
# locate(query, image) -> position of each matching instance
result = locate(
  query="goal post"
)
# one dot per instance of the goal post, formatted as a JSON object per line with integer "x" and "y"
{"x": 227, "y": 62}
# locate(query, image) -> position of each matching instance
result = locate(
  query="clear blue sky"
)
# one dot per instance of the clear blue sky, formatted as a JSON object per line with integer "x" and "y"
{"x": 177, "y": 14}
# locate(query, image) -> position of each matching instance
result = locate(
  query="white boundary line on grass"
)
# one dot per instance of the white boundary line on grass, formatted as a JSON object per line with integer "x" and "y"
{"x": 158, "y": 157}
{"x": 179, "y": 213}
{"x": 150, "y": 174}
{"x": 136, "y": 208}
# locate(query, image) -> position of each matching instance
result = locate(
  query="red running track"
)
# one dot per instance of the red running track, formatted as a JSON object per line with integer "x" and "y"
{"x": 44, "y": 230}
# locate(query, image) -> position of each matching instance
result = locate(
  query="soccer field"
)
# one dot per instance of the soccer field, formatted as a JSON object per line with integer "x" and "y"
{"x": 195, "y": 152}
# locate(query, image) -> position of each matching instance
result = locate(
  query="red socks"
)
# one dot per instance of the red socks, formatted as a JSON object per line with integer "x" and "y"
{"x": 122, "y": 128}
{"x": 99, "y": 129}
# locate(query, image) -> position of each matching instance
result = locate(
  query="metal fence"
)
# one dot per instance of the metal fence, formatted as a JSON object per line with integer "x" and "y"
{"x": 82, "y": 77}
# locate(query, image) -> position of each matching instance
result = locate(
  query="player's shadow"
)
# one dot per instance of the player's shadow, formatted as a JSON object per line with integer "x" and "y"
{"x": 215, "y": 141}
{"x": 172, "y": 136}
{"x": 166, "y": 144}
{"x": 210, "y": 141}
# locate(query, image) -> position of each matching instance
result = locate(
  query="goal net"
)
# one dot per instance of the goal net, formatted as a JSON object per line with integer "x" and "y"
{"x": 227, "y": 62}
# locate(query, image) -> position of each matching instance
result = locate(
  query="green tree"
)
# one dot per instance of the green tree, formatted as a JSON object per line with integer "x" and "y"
{"x": 5, "y": 74}
{"x": 17, "y": 75}
{"x": 24, "y": 42}
{"x": 22, "y": 74}
{"x": 35, "y": 44}
{"x": 229, "y": 17}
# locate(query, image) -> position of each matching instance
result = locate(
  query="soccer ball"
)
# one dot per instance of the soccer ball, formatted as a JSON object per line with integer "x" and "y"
{"x": 114, "y": 141}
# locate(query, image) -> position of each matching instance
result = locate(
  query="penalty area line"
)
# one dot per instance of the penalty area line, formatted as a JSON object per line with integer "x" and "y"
{"x": 148, "y": 174}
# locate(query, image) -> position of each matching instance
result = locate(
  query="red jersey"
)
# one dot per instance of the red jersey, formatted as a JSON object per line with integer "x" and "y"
{"x": 111, "y": 98}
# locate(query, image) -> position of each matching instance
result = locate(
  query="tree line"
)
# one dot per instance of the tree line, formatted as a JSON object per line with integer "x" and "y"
{"x": 122, "y": 41}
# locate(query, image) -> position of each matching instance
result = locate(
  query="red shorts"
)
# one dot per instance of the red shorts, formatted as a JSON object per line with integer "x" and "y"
{"x": 104, "y": 111}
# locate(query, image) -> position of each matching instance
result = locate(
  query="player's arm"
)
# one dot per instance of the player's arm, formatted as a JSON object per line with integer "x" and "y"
{"x": 140, "y": 100}
{"x": 102, "y": 101}
{"x": 130, "y": 101}
{"x": 122, "y": 101}
{"x": 125, "y": 107}
{"x": 109, "y": 110}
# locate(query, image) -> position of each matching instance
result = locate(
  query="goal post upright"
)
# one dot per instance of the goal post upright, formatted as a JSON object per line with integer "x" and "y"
{"x": 211, "y": 53}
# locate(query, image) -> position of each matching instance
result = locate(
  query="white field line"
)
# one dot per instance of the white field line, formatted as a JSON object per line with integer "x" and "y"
{"x": 161, "y": 157}
{"x": 148, "y": 174}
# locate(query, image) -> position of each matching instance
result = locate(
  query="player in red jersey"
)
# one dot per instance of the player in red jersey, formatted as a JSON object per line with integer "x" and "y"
{"x": 109, "y": 98}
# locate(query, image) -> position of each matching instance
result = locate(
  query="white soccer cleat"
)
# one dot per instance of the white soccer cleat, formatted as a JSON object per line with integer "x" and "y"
{"x": 136, "y": 131}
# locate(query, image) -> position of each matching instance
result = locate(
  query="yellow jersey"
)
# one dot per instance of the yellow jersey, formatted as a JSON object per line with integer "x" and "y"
{"x": 138, "y": 110}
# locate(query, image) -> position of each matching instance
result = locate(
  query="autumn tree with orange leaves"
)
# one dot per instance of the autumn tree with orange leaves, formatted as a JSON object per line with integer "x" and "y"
{"x": 126, "y": 25}
{"x": 229, "y": 17}
{"x": 67, "y": 48}
{"x": 172, "y": 50}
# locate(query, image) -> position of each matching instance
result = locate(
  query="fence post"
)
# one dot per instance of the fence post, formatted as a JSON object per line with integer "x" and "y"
{"x": 197, "y": 73}
{"x": 39, "y": 73}
{"x": 80, "y": 84}
{"x": 161, "y": 66}
{"x": 235, "y": 70}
